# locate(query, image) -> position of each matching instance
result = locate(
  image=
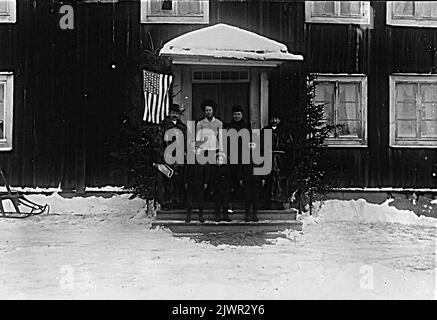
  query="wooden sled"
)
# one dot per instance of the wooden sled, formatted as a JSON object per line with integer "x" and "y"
{"x": 18, "y": 199}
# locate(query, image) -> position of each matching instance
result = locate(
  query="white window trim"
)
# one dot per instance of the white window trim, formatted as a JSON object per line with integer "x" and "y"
{"x": 11, "y": 17}
{"x": 146, "y": 18}
{"x": 224, "y": 68}
{"x": 8, "y": 79}
{"x": 405, "y": 22}
{"x": 349, "y": 142}
{"x": 365, "y": 19}
{"x": 407, "y": 77}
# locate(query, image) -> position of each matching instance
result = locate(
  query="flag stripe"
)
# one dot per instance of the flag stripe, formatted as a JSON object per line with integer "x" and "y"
{"x": 159, "y": 97}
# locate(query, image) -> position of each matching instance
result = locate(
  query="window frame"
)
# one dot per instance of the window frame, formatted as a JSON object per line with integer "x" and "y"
{"x": 364, "y": 19}
{"x": 11, "y": 17}
{"x": 218, "y": 69}
{"x": 407, "y": 22}
{"x": 146, "y": 17}
{"x": 408, "y": 142}
{"x": 8, "y": 79}
{"x": 351, "y": 78}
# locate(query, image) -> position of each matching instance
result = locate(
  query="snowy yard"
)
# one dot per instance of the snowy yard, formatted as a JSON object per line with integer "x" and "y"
{"x": 103, "y": 248}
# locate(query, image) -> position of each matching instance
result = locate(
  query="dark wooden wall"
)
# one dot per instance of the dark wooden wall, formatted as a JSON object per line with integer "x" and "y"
{"x": 72, "y": 86}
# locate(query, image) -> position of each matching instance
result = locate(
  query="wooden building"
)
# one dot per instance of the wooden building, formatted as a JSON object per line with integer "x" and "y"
{"x": 69, "y": 70}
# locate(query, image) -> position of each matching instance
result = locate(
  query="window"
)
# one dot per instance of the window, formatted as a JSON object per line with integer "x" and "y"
{"x": 182, "y": 11}
{"x": 7, "y": 11}
{"x": 345, "y": 102}
{"x": 6, "y": 104}
{"x": 354, "y": 12}
{"x": 218, "y": 76}
{"x": 412, "y": 13}
{"x": 413, "y": 110}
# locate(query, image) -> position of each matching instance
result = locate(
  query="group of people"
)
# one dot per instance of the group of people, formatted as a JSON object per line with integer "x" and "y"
{"x": 221, "y": 182}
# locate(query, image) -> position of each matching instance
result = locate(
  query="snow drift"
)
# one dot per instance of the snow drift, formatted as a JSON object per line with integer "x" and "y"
{"x": 362, "y": 211}
{"x": 115, "y": 204}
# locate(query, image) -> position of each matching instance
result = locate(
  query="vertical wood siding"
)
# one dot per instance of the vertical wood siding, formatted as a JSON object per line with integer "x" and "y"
{"x": 69, "y": 99}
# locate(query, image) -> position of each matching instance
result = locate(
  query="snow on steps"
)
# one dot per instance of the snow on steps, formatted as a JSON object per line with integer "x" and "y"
{"x": 234, "y": 226}
{"x": 236, "y": 215}
{"x": 270, "y": 221}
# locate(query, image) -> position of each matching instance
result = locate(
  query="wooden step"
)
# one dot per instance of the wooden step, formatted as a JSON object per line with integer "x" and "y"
{"x": 238, "y": 215}
{"x": 234, "y": 204}
{"x": 233, "y": 226}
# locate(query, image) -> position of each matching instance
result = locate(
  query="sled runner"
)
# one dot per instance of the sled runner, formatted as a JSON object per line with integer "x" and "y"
{"x": 18, "y": 199}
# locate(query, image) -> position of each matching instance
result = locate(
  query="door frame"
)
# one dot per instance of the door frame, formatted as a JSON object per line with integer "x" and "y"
{"x": 225, "y": 95}
{"x": 258, "y": 87}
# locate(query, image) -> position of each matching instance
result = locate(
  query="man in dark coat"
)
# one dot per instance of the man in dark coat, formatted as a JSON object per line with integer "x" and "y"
{"x": 276, "y": 184}
{"x": 170, "y": 192}
{"x": 220, "y": 183}
{"x": 238, "y": 123}
{"x": 196, "y": 180}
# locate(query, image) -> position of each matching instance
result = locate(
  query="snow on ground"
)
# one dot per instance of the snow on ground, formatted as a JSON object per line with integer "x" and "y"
{"x": 98, "y": 247}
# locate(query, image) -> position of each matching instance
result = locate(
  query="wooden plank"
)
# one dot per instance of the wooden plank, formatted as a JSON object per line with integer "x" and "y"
{"x": 237, "y": 215}
{"x": 264, "y": 99}
{"x": 232, "y": 227}
{"x": 254, "y": 98}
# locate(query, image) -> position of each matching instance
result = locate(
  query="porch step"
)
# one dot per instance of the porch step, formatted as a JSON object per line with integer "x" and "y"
{"x": 234, "y": 204}
{"x": 237, "y": 215}
{"x": 232, "y": 227}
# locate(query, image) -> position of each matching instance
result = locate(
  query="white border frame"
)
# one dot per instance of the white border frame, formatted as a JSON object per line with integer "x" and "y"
{"x": 8, "y": 79}
{"x": 309, "y": 18}
{"x": 406, "y": 77}
{"x": 146, "y": 9}
{"x": 422, "y": 23}
{"x": 349, "y": 142}
{"x": 12, "y": 16}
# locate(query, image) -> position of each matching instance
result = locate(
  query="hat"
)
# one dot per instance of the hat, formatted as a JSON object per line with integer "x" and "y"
{"x": 237, "y": 108}
{"x": 208, "y": 102}
{"x": 274, "y": 115}
{"x": 175, "y": 107}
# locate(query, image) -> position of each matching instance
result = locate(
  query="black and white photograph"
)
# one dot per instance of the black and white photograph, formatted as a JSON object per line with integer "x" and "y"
{"x": 218, "y": 150}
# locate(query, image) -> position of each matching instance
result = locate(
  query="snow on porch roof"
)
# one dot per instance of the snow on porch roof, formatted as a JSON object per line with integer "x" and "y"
{"x": 229, "y": 42}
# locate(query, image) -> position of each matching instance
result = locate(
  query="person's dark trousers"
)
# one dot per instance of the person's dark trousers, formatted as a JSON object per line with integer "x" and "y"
{"x": 251, "y": 199}
{"x": 236, "y": 176}
{"x": 195, "y": 194}
{"x": 221, "y": 202}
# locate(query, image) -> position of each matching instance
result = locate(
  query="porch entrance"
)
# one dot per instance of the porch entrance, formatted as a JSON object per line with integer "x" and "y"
{"x": 226, "y": 95}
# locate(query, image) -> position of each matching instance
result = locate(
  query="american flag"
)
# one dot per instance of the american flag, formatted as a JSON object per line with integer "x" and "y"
{"x": 156, "y": 87}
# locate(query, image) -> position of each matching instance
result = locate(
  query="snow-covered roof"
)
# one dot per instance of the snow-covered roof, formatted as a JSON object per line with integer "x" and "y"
{"x": 229, "y": 42}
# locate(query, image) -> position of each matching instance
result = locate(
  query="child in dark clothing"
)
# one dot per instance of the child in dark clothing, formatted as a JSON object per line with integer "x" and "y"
{"x": 252, "y": 185}
{"x": 220, "y": 187}
{"x": 195, "y": 178}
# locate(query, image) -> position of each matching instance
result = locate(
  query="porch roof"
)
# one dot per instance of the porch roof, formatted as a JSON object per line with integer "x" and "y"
{"x": 222, "y": 41}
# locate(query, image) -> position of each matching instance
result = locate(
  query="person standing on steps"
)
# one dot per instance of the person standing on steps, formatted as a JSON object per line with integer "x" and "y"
{"x": 220, "y": 187}
{"x": 252, "y": 185}
{"x": 196, "y": 181}
{"x": 237, "y": 123}
{"x": 208, "y": 129}
{"x": 276, "y": 184}
{"x": 171, "y": 190}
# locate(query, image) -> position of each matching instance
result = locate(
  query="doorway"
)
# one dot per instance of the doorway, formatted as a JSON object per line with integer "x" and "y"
{"x": 225, "y": 94}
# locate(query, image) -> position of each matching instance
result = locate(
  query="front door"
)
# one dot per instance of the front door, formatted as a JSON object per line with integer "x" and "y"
{"x": 225, "y": 94}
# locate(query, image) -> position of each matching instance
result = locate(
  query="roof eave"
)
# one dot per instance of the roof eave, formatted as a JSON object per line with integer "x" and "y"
{"x": 243, "y": 61}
